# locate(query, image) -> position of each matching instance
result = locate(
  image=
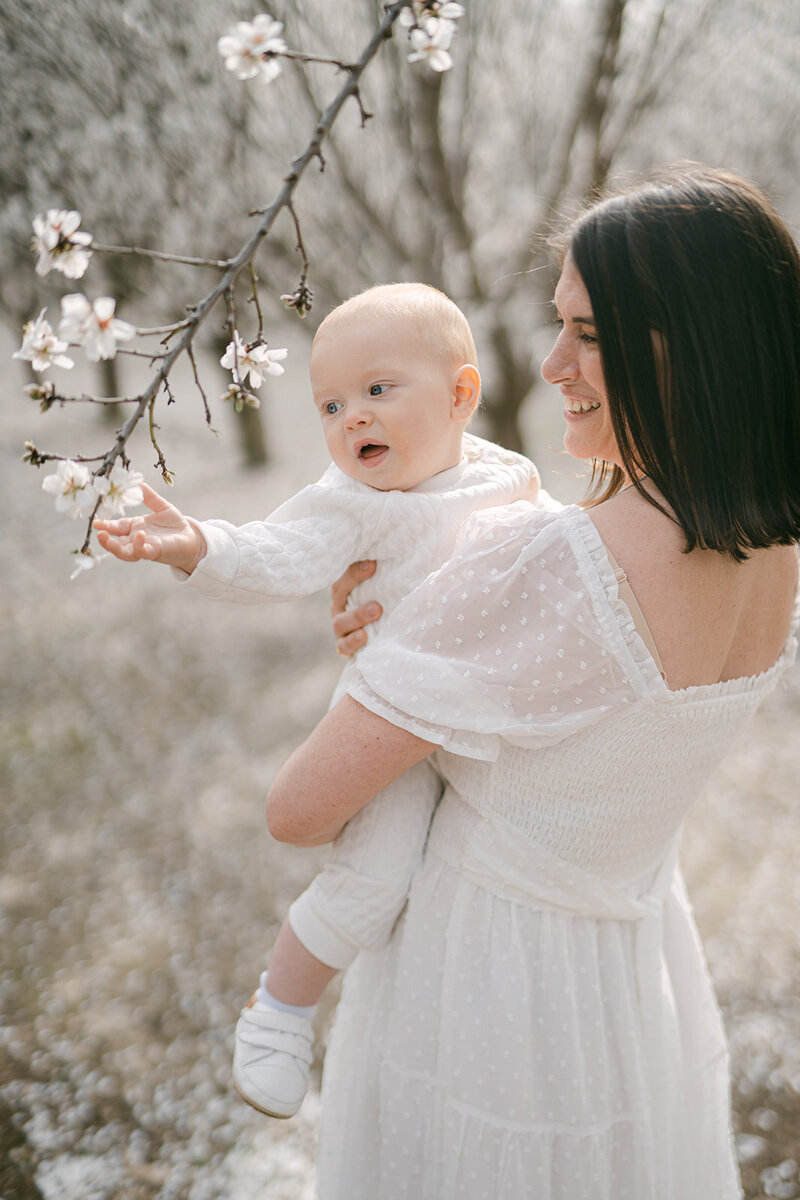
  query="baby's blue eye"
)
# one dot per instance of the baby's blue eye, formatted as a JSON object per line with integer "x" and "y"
{"x": 331, "y": 407}
{"x": 377, "y": 389}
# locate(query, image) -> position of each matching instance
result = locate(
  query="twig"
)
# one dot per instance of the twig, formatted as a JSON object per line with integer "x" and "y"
{"x": 254, "y": 300}
{"x": 233, "y": 267}
{"x": 218, "y": 263}
{"x": 230, "y": 320}
{"x": 86, "y": 399}
{"x": 300, "y": 247}
{"x": 88, "y": 539}
{"x": 169, "y": 330}
{"x": 193, "y": 361}
{"x": 151, "y": 355}
{"x": 166, "y": 474}
{"x": 299, "y": 56}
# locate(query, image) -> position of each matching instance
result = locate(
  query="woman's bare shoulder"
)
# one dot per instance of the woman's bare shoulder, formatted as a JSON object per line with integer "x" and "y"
{"x": 710, "y": 617}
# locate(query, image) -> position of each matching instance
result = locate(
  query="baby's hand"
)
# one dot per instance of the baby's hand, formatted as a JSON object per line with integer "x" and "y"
{"x": 163, "y": 535}
{"x": 348, "y": 626}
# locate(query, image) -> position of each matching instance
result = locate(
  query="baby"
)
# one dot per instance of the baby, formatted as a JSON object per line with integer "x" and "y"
{"x": 394, "y": 378}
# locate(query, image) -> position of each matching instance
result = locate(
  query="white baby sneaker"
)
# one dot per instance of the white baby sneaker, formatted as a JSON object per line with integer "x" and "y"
{"x": 271, "y": 1059}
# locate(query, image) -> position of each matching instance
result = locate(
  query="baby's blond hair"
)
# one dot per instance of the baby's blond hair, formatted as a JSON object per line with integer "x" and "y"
{"x": 440, "y": 323}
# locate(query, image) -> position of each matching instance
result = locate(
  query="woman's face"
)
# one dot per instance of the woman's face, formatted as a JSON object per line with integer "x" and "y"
{"x": 574, "y": 365}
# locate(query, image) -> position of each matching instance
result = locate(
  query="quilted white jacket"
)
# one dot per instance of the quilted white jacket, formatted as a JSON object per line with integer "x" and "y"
{"x": 306, "y": 543}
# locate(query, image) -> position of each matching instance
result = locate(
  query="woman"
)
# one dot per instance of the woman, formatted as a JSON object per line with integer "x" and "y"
{"x": 542, "y": 1025}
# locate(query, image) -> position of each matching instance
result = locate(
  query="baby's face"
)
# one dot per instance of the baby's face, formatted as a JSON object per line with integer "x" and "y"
{"x": 386, "y": 402}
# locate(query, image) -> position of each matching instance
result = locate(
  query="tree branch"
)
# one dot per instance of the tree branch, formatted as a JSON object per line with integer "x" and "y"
{"x": 236, "y": 264}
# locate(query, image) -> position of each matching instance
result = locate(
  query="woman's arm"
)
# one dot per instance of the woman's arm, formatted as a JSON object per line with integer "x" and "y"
{"x": 350, "y": 757}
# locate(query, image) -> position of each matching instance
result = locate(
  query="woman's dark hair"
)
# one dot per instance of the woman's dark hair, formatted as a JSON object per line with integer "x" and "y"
{"x": 694, "y": 281}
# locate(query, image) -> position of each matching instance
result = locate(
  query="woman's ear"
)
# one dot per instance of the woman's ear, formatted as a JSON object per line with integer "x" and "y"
{"x": 465, "y": 393}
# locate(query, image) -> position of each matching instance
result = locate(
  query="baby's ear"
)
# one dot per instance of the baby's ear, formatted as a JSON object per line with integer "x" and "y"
{"x": 465, "y": 393}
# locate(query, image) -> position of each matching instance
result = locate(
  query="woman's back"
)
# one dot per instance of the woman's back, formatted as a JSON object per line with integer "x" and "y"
{"x": 711, "y": 618}
{"x": 609, "y": 795}
{"x": 599, "y": 756}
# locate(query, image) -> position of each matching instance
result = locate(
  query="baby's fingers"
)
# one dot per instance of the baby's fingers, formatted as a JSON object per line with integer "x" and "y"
{"x": 119, "y": 527}
{"x": 128, "y": 549}
{"x": 113, "y": 545}
{"x": 141, "y": 547}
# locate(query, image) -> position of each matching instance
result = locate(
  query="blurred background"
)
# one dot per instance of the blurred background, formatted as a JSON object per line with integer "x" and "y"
{"x": 140, "y": 725}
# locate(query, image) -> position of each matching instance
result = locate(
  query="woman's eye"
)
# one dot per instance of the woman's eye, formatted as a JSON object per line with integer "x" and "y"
{"x": 331, "y": 407}
{"x": 377, "y": 389}
{"x": 588, "y": 339}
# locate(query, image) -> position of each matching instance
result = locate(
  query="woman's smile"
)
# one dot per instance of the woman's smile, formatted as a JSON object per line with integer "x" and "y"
{"x": 575, "y": 366}
{"x": 577, "y": 406}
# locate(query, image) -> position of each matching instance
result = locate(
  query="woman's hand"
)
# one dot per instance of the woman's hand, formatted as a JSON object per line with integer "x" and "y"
{"x": 348, "y": 627}
{"x": 163, "y": 535}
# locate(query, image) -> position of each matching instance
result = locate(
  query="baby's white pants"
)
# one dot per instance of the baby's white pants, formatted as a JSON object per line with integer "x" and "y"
{"x": 356, "y": 899}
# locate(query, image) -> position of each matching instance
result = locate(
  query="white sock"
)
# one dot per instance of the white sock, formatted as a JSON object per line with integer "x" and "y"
{"x": 265, "y": 998}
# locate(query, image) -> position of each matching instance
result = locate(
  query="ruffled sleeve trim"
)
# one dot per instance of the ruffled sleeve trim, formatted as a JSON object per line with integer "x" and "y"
{"x": 610, "y": 609}
{"x": 615, "y": 617}
{"x": 485, "y": 747}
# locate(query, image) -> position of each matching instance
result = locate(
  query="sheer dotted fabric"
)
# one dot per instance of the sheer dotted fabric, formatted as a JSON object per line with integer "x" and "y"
{"x": 541, "y": 1025}
{"x": 507, "y": 639}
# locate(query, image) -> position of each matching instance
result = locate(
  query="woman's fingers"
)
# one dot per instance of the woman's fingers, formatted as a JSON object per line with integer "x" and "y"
{"x": 356, "y": 618}
{"x": 356, "y": 573}
{"x": 348, "y": 627}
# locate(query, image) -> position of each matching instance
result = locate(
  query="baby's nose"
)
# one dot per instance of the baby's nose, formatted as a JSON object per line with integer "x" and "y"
{"x": 358, "y": 416}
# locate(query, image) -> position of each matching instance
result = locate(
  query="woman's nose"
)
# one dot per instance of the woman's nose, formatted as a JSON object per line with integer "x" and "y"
{"x": 560, "y": 366}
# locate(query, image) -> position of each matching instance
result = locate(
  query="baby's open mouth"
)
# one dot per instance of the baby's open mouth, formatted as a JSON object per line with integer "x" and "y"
{"x": 371, "y": 450}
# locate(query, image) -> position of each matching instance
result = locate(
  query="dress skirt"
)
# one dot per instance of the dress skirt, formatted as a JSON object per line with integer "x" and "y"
{"x": 508, "y": 1044}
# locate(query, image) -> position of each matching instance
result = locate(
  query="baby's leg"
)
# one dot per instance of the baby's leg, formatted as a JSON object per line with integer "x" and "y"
{"x": 354, "y": 902}
{"x": 295, "y": 975}
{"x": 351, "y": 905}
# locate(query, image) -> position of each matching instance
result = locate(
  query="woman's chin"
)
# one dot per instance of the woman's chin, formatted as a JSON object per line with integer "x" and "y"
{"x": 578, "y": 444}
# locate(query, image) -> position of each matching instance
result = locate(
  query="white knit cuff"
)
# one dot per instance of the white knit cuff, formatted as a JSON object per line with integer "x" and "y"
{"x": 322, "y": 939}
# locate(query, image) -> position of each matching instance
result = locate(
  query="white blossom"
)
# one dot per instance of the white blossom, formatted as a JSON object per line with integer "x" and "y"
{"x": 85, "y": 560}
{"x": 73, "y": 488}
{"x": 252, "y": 47}
{"x": 93, "y": 325}
{"x": 430, "y": 41}
{"x": 60, "y": 244}
{"x": 119, "y": 490}
{"x": 257, "y": 360}
{"x": 420, "y": 9}
{"x": 40, "y": 346}
{"x": 240, "y": 398}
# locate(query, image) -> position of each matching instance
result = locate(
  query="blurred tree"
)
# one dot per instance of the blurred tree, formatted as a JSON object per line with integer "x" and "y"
{"x": 458, "y": 180}
{"x": 124, "y": 111}
{"x": 462, "y": 177}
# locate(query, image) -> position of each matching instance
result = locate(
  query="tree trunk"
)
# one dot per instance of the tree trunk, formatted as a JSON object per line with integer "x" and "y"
{"x": 111, "y": 415}
{"x": 252, "y": 438}
{"x": 513, "y": 379}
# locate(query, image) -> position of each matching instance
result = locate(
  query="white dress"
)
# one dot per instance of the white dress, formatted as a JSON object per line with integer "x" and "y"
{"x": 541, "y": 1025}
{"x": 302, "y": 547}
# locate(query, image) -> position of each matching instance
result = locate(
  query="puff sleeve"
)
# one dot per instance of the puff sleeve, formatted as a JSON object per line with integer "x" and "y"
{"x": 514, "y": 638}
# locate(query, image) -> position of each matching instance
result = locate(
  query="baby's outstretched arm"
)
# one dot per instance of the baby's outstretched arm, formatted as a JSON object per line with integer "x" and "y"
{"x": 163, "y": 535}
